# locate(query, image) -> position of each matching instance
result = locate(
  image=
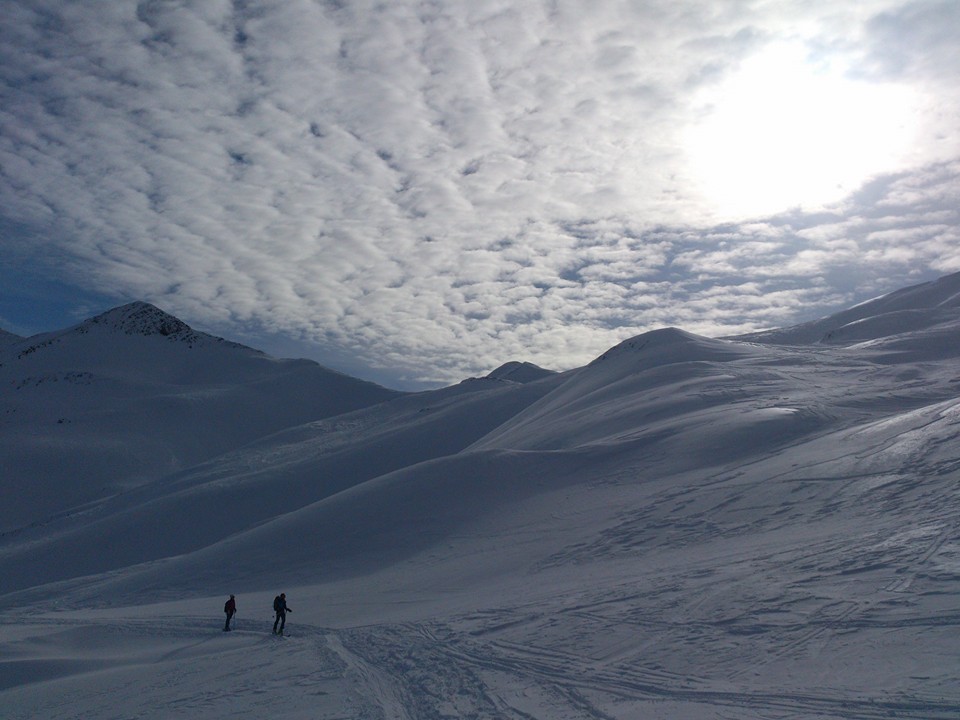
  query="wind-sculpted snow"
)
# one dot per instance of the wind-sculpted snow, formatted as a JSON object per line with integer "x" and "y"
{"x": 261, "y": 482}
{"x": 684, "y": 529}
{"x": 661, "y": 388}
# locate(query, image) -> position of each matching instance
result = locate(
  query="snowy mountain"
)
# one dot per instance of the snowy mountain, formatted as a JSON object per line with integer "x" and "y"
{"x": 909, "y": 310}
{"x": 8, "y": 338}
{"x": 521, "y": 372}
{"x": 686, "y": 527}
{"x": 135, "y": 394}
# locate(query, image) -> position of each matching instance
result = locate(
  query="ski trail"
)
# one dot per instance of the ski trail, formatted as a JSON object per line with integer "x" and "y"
{"x": 384, "y": 689}
{"x": 490, "y": 665}
{"x": 446, "y": 674}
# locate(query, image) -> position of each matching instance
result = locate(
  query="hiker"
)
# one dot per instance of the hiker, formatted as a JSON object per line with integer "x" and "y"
{"x": 281, "y": 609}
{"x": 230, "y": 608}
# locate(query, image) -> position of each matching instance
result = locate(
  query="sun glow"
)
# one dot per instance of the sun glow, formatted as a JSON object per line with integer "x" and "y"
{"x": 784, "y": 133}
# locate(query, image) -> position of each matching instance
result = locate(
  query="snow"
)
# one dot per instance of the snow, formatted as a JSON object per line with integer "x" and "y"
{"x": 686, "y": 528}
{"x": 131, "y": 396}
{"x": 8, "y": 338}
{"x": 522, "y": 372}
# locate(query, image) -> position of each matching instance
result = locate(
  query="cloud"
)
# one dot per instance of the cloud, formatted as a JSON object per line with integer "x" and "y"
{"x": 915, "y": 40}
{"x": 440, "y": 188}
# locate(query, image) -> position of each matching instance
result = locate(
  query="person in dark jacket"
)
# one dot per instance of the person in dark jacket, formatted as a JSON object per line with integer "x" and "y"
{"x": 230, "y": 608}
{"x": 281, "y": 609}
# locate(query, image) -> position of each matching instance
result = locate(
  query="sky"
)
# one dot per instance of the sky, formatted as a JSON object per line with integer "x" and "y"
{"x": 417, "y": 192}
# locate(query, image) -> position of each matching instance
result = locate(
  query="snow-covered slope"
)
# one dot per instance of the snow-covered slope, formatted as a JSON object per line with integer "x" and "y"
{"x": 261, "y": 482}
{"x": 8, "y": 338}
{"x": 685, "y": 528}
{"x": 598, "y": 403}
{"x": 521, "y": 372}
{"x": 909, "y": 310}
{"x": 135, "y": 394}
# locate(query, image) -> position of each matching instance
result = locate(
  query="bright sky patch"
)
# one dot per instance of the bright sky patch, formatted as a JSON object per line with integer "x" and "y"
{"x": 785, "y": 132}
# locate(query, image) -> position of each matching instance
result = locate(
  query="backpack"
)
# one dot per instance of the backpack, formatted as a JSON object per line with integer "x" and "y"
{"x": 226, "y": 606}
{"x": 276, "y": 604}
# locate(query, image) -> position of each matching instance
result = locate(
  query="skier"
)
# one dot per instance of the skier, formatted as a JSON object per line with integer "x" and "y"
{"x": 230, "y": 608}
{"x": 281, "y": 609}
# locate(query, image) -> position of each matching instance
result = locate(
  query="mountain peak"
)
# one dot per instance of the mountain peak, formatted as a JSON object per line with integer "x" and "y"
{"x": 519, "y": 372}
{"x": 142, "y": 318}
{"x": 666, "y": 337}
{"x": 671, "y": 345}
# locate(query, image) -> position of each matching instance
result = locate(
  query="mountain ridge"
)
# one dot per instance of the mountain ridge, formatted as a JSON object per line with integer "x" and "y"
{"x": 133, "y": 395}
{"x": 939, "y": 299}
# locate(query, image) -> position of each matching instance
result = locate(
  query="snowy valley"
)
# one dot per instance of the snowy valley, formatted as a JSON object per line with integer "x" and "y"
{"x": 685, "y": 528}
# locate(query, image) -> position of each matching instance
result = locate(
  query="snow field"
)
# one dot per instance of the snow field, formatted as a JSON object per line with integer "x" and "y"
{"x": 684, "y": 529}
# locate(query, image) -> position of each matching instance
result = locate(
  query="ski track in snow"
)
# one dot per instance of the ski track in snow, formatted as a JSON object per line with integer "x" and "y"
{"x": 412, "y": 670}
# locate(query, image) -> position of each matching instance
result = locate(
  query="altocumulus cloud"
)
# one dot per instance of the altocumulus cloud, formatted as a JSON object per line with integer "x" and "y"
{"x": 436, "y": 188}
